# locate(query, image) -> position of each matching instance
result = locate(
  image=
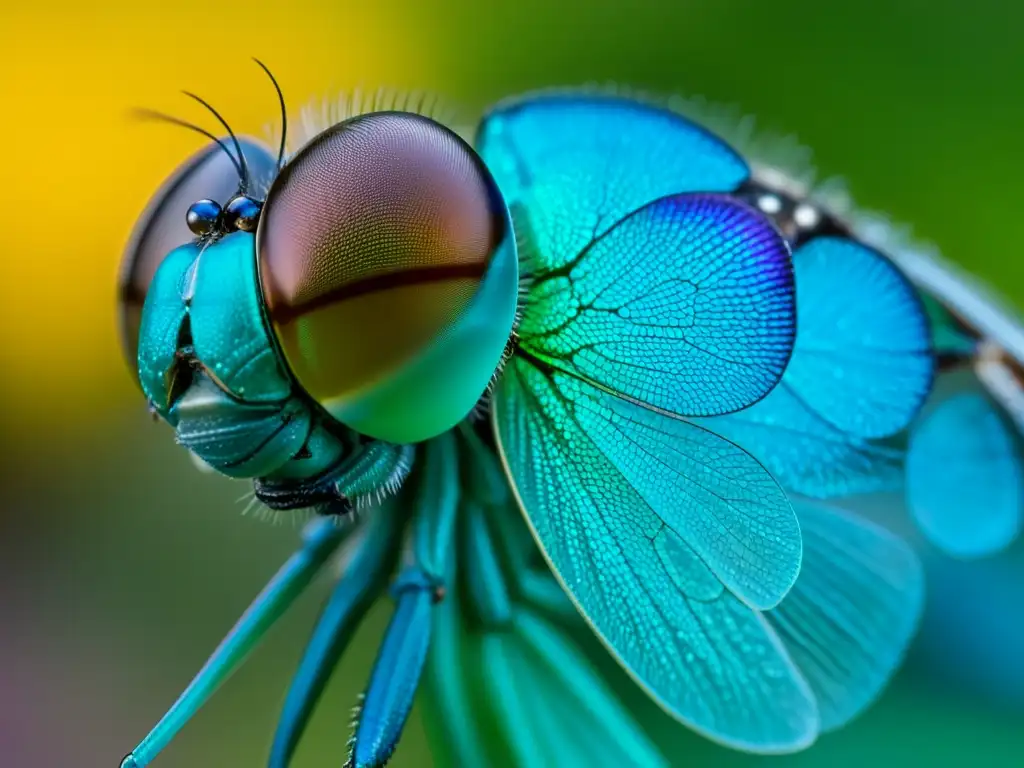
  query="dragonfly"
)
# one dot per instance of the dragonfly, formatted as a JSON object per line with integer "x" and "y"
{"x": 534, "y": 382}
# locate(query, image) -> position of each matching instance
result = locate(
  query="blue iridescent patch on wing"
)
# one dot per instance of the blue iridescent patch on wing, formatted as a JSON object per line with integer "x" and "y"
{"x": 579, "y": 163}
{"x": 964, "y": 477}
{"x": 685, "y": 305}
{"x": 850, "y": 616}
{"x": 861, "y": 368}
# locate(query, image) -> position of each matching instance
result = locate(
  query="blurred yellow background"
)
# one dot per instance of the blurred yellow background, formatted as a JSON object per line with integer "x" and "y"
{"x": 121, "y": 567}
{"x": 79, "y": 169}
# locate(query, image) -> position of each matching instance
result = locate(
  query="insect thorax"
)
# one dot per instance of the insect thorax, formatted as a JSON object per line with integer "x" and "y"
{"x": 790, "y": 207}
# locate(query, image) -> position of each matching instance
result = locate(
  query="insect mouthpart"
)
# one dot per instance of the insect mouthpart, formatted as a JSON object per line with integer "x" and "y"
{"x": 237, "y": 439}
{"x": 178, "y": 377}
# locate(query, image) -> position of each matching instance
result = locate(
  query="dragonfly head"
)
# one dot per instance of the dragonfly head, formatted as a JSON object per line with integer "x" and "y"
{"x": 208, "y": 366}
{"x": 374, "y": 284}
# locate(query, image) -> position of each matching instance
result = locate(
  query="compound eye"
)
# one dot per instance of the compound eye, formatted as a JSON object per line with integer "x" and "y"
{"x": 173, "y": 217}
{"x": 373, "y": 244}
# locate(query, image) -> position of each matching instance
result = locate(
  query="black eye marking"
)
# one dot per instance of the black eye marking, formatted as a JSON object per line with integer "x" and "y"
{"x": 204, "y": 217}
{"x": 241, "y": 214}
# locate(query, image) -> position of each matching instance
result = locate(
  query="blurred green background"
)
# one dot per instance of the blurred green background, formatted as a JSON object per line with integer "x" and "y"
{"x": 122, "y": 566}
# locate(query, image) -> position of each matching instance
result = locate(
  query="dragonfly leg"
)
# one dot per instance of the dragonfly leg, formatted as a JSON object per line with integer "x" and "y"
{"x": 419, "y": 587}
{"x": 365, "y": 577}
{"x": 320, "y": 541}
{"x": 397, "y": 670}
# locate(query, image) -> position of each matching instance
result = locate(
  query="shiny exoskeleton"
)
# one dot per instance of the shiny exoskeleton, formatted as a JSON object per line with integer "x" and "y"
{"x": 308, "y": 335}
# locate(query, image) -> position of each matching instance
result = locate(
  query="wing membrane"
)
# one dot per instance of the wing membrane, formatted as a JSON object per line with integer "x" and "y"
{"x": 586, "y": 161}
{"x": 805, "y": 453}
{"x": 863, "y": 357}
{"x": 861, "y": 367}
{"x": 964, "y": 477}
{"x": 648, "y": 564}
{"x": 852, "y": 612}
{"x": 685, "y": 305}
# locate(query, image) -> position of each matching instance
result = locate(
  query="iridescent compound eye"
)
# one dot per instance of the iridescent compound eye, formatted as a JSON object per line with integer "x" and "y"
{"x": 207, "y": 176}
{"x": 389, "y": 274}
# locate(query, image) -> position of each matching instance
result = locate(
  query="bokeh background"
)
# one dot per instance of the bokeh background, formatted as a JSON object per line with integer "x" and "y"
{"x": 121, "y": 566}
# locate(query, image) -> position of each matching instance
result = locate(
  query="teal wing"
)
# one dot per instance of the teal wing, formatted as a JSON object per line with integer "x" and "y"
{"x": 861, "y": 368}
{"x": 684, "y": 302}
{"x": 863, "y": 358}
{"x": 580, "y": 163}
{"x": 853, "y": 611}
{"x": 965, "y": 483}
{"x": 650, "y": 296}
{"x": 656, "y": 528}
{"x": 686, "y": 305}
{"x": 639, "y": 368}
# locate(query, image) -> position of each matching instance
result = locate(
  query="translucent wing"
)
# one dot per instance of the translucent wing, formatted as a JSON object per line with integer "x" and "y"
{"x": 654, "y": 526}
{"x": 805, "y": 453}
{"x": 586, "y": 724}
{"x": 861, "y": 368}
{"x": 964, "y": 477}
{"x": 852, "y": 612}
{"x": 685, "y": 305}
{"x": 580, "y": 163}
{"x": 862, "y": 359}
